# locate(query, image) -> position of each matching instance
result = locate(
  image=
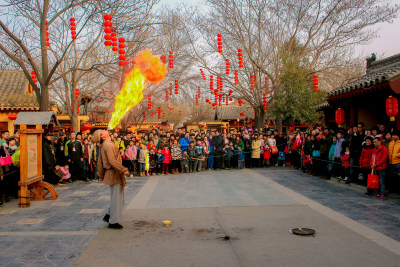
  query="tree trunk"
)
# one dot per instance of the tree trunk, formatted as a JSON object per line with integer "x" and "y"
{"x": 259, "y": 117}
{"x": 278, "y": 124}
{"x": 74, "y": 121}
{"x": 44, "y": 99}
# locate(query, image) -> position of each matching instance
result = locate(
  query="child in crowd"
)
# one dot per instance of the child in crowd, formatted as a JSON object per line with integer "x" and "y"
{"x": 266, "y": 156}
{"x": 192, "y": 157}
{"x": 153, "y": 161}
{"x": 142, "y": 160}
{"x": 185, "y": 162}
{"x": 227, "y": 156}
{"x": 200, "y": 156}
{"x": 167, "y": 159}
{"x": 240, "y": 154}
{"x": 160, "y": 159}
{"x": 346, "y": 165}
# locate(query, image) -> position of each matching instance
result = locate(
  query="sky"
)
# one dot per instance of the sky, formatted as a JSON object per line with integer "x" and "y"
{"x": 386, "y": 44}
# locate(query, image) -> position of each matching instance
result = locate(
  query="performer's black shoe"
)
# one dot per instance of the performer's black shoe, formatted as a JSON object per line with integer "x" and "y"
{"x": 106, "y": 218}
{"x": 115, "y": 226}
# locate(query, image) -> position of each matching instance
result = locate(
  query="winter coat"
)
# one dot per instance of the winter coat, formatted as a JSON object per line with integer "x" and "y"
{"x": 255, "y": 146}
{"x": 324, "y": 146}
{"x": 110, "y": 166}
{"x": 218, "y": 143}
{"x": 338, "y": 150}
{"x": 176, "y": 152}
{"x": 192, "y": 152}
{"x": 160, "y": 157}
{"x": 153, "y": 159}
{"x": 332, "y": 151}
{"x": 60, "y": 152}
{"x": 184, "y": 142}
{"x": 379, "y": 157}
{"x": 366, "y": 156}
{"x": 74, "y": 150}
{"x": 48, "y": 155}
{"x": 346, "y": 160}
{"x": 142, "y": 155}
{"x": 394, "y": 152}
{"x": 167, "y": 156}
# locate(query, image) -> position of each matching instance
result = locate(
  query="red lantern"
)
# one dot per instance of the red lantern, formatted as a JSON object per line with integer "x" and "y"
{"x": 12, "y": 116}
{"x": 242, "y": 114}
{"x": 315, "y": 82}
{"x": 171, "y": 59}
{"x": 219, "y": 38}
{"x": 34, "y": 78}
{"x": 392, "y": 108}
{"x": 339, "y": 116}
{"x": 240, "y": 102}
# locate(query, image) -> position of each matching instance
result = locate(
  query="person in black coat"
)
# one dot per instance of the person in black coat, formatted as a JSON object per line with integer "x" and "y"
{"x": 219, "y": 150}
{"x": 49, "y": 160}
{"x": 60, "y": 150}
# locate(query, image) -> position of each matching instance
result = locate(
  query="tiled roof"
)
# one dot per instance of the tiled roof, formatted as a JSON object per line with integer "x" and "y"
{"x": 232, "y": 112}
{"x": 36, "y": 118}
{"x": 13, "y": 90}
{"x": 384, "y": 70}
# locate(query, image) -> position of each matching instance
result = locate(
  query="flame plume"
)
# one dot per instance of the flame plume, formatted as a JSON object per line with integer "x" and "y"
{"x": 147, "y": 68}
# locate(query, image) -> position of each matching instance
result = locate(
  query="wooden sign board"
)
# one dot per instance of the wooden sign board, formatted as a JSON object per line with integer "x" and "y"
{"x": 31, "y": 179}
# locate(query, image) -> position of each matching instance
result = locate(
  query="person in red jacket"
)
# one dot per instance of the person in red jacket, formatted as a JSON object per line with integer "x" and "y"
{"x": 365, "y": 160}
{"x": 346, "y": 165}
{"x": 167, "y": 159}
{"x": 379, "y": 164}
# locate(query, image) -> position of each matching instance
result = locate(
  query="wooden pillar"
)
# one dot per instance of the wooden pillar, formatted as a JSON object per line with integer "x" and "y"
{"x": 23, "y": 193}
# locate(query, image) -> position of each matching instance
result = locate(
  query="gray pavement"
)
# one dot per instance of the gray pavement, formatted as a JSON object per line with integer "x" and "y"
{"x": 249, "y": 207}
{"x": 255, "y": 208}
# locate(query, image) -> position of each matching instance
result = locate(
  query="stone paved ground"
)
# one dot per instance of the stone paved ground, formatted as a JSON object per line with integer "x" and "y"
{"x": 349, "y": 200}
{"x": 54, "y": 232}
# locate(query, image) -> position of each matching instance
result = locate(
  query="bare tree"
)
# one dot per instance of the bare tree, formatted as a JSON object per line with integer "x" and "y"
{"x": 325, "y": 31}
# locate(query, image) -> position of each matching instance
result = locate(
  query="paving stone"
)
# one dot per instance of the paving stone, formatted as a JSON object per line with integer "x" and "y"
{"x": 91, "y": 211}
{"x": 61, "y": 204}
{"x": 30, "y": 221}
{"x": 7, "y": 212}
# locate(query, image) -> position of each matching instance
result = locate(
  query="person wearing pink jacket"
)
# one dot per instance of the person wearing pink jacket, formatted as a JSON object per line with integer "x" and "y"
{"x": 167, "y": 159}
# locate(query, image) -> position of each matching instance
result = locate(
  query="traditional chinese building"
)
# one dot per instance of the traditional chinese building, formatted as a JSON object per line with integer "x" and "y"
{"x": 364, "y": 99}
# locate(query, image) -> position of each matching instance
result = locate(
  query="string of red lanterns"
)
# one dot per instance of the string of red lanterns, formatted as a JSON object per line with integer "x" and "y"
{"x": 114, "y": 41}
{"x": 47, "y": 36}
{"x": 149, "y": 101}
{"x": 240, "y": 58}
{"x": 176, "y": 87}
{"x": 228, "y": 66}
{"x": 211, "y": 83}
{"x": 171, "y": 59}
{"x": 121, "y": 52}
{"x": 264, "y": 101}
{"x": 315, "y": 82}
{"x": 166, "y": 95}
{"x": 252, "y": 82}
{"x": 144, "y": 115}
{"x": 73, "y": 28}
{"x": 33, "y": 76}
{"x": 236, "y": 77}
{"x": 170, "y": 89}
{"x": 219, "y": 38}
{"x": 203, "y": 75}
{"x": 107, "y": 30}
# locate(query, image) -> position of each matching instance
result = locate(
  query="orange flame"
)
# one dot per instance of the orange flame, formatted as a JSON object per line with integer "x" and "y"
{"x": 147, "y": 68}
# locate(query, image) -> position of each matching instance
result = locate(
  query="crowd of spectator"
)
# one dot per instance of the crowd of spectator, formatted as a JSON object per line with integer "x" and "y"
{"x": 346, "y": 155}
